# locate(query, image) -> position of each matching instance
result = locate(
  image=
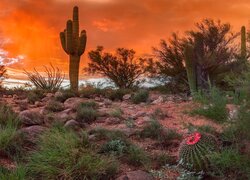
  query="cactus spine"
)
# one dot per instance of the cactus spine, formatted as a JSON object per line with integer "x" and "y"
{"x": 195, "y": 150}
{"x": 243, "y": 43}
{"x": 74, "y": 45}
{"x": 190, "y": 68}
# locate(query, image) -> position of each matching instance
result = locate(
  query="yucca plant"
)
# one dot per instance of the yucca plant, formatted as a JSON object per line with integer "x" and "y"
{"x": 194, "y": 151}
{"x": 52, "y": 81}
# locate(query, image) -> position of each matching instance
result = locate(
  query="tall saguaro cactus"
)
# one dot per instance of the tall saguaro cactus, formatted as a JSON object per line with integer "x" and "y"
{"x": 74, "y": 45}
{"x": 243, "y": 43}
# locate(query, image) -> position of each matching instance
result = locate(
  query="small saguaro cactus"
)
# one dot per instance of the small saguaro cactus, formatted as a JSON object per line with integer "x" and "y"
{"x": 243, "y": 43}
{"x": 195, "y": 150}
{"x": 74, "y": 45}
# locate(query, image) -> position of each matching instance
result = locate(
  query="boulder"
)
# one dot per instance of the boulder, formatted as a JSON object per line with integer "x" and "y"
{"x": 72, "y": 124}
{"x": 30, "y": 135}
{"x": 73, "y": 102}
{"x": 30, "y": 117}
{"x": 136, "y": 175}
{"x": 126, "y": 97}
{"x": 159, "y": 100}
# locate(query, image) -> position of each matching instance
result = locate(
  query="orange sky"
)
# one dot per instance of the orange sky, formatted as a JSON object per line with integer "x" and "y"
{"x": 29, "y": 29}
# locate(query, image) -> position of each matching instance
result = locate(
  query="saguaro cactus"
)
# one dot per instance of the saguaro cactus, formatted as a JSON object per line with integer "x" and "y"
{"x": 74, "y": 45}
{"x": 190, "y": 68}
{"x": 243, "y": 43}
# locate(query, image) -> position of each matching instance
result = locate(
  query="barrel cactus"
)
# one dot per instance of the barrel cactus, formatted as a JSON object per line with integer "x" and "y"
{"x": 195, "y": 150}
{"x": 74, "y": 45}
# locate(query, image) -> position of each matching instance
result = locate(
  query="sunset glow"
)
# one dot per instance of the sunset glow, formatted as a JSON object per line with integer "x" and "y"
{"x": 29, "y": 30}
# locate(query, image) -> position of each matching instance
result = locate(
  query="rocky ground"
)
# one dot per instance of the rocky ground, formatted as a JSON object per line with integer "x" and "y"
{"x": 170, "y": 110}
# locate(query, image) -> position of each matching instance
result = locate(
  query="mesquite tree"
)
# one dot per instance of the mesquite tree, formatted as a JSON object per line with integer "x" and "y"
{"x": 74, "y": 45}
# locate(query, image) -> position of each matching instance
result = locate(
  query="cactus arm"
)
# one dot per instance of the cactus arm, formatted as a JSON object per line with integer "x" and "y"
{"x": 69, "y": 37}
{"x": 82, "y": 43}
{"x": 243, "y": 43}
{"x": 75, "y": 29}
{"x": 63, "y": 41}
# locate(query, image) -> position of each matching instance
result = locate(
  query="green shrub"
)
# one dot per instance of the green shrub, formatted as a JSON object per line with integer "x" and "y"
{"x": 35, "y": 95}
{"x": 116, "y": 112}
{"x": 54, "y": 106}
{"x": 86, "y": 112}
{"x": 89, "y": 91}
{"x": 115, "y": 147}
{"x": 7, "y": 135}
{"x": 106, "y": 134}
{"x": 158, "y": 114}
{"x": 7, "y": 115}
{"x": 214, "y": 106}
{"x": 136, "y": 156}
{"x": 230, "y": 162}
{"x": 163, "y": 159}
{"x": 156, "y": 131}
{"x": 17, "y": 174}
{"x": 66, "y": 94}
{"x": 117, "y": 94}
{"x": 140, "y": 96}
{"x": 61, "y": 155}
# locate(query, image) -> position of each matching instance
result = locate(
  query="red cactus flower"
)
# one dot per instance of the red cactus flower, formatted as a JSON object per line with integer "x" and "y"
{"x": 193, "y": 138}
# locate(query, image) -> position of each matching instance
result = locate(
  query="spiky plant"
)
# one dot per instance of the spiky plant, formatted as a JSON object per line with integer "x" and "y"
{"x": 194, "y": 151}
{"x": 243, "y": 43}
{"x": 74, "y": 45}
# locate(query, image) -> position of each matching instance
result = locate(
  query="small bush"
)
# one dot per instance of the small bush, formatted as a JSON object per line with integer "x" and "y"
{"x": 215, "y": 106}
{"x": 17, "y": 174}
{"x": 136, "y": 156}
{"x": 117, "y": 94}
{"x": 140, "y": 96}
{"x": 35, "y": 95}
{"x": 7, "y": 135}
{"x": 114, "y": 147}
{"x": 231, "y": 162}
{"x": 66, "y": 94}
{"x": 117, "y": 112}
{"x": 86, "y": 112}
{"x": 105, "y": 134}
{"x": 61, "y": 156}
{"x": 156, "y": 131}
{"x": 89, "y": 91}
{"x": 7, "y": 116}
{"x": 158, "y": 114}
{"x": 164, "y": 159}
{"x": 54, "y": 106}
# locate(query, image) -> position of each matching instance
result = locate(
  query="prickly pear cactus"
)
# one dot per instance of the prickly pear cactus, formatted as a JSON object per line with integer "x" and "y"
{"x": 195, "y": 149}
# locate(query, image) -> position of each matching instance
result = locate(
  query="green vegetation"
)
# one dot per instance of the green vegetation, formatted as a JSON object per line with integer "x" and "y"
{"x": 140, "y": 96}
{"x": 116, "y": 112}
{"x": 214, "y": 105}
{"x": 86, "y": 112}
{"x": 54, "y": 106}
{"x": 66, "y": 94}
{"x": 35, "y": 95}
{"x": 61, "y": 155}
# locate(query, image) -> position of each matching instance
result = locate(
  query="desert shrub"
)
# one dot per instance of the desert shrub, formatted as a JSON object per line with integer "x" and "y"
{"x": 158, "y": 114}
{"x": 35, "y": 95}
{"x": 115, "y": 147}
{"x": 156, "y": 131}
{"x": 52, "y": 82}
{"x": 163, "y": 158}
{"x": 54, "y": 106}
{"x": 7, "y": 116}
{"x": 214, "y": 105}
{"x": 230, "y": 163}
{"x": 61, "y": 155}
{"x": 203, "y": 129}
{"x": 86, "y": 112}
{"x": 136, "y": 156}
{"x": 117, "y": 94}
{"x": 7, "y": 135}
{"x": 123, "y": 69}
{"x": 17, "y": 174}
{"x": 106, "y": 134}
{"x": 116, "y": 112}
{"x": 66, "y": 94}
{"x": 140, "y": 96}
{"x": 89, "y": 91}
